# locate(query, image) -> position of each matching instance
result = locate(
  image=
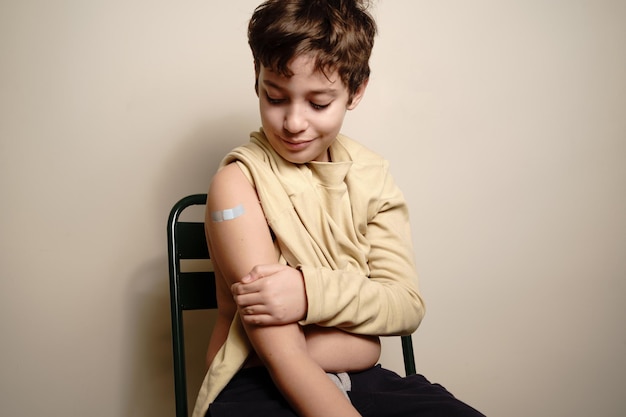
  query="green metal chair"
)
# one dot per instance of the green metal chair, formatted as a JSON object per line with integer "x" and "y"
{"x": 196, "y": 291}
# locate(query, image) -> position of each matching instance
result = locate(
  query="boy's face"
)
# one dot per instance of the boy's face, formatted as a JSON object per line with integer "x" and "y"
{"x": 302, "y": 114}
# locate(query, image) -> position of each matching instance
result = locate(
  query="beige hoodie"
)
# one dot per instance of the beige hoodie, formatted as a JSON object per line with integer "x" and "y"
{"x": 345, "y": 225}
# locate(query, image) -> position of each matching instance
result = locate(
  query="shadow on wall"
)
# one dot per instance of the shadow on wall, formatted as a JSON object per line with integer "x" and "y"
{"x": 148, "y": 387}
{"x": 194, "y": 160}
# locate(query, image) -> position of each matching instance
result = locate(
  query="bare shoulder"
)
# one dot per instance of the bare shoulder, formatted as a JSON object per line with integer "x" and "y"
{"x": 236, "y": 226}
{"x": 232, "y": 201}
{"x": 228, "y": 185}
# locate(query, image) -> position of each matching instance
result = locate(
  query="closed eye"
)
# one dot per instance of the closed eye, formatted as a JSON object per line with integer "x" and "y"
{"x": 273, "y": 100}
{"x": 316, "y": 106}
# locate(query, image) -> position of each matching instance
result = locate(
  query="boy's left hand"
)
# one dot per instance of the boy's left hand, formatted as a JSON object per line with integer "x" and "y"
{"x": 271, "y": 295}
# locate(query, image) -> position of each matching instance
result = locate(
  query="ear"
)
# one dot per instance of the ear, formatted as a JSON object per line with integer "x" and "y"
{"x": 358, "y": 95}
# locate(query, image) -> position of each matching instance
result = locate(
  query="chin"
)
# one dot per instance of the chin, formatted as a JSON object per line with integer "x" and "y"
{"x": 296, "y": 159}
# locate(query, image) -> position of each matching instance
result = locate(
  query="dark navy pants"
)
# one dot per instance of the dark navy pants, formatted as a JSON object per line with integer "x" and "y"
{"x": 376, "y": 392}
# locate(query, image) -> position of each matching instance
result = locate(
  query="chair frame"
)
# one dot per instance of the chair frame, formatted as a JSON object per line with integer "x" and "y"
{"x": 196, "y": 290}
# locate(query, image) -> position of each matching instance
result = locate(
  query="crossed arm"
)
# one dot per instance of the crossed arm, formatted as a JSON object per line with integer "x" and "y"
{"x": 271, "y": 298}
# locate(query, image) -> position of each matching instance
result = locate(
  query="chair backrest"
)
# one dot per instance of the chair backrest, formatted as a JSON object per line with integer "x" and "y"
{"x": 196, "y": 290}
{"x": 188, "y": 290}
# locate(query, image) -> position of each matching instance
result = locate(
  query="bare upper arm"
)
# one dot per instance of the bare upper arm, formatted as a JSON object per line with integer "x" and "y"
{"x": 242, "y": 241}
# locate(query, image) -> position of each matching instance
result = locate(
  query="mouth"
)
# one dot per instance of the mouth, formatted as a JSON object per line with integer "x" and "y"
{"x": 296, "y": 145}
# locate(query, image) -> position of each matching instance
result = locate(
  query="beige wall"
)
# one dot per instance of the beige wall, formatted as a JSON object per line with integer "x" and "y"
{"x": 505, "y": 124}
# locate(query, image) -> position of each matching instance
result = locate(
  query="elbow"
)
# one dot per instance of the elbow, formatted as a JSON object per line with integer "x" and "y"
{"x": 413, "y": 318}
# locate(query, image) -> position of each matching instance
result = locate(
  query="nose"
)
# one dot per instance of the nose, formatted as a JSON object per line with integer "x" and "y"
{"x": 295, "y": 119}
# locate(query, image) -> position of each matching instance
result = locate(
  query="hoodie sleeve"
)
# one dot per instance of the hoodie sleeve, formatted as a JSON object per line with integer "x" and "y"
{"x": 385, "y": 301}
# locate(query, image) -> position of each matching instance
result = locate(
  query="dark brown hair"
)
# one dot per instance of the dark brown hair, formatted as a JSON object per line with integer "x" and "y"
{"x": 339, "y": 34}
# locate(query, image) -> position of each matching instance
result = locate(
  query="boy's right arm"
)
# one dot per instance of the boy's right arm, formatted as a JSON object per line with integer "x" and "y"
{"x": 239, "y": 243}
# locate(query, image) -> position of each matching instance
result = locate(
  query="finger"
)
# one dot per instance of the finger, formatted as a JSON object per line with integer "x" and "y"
{"x": 260, "y": 319}
{"x": 262, "y": 271}
{"x": 254, "y": 274}
{"x": 247, "y": 300}
{"x": 255, "y": 309}
{"x": 239, "y": 288}
{"x": 235, "y": 289}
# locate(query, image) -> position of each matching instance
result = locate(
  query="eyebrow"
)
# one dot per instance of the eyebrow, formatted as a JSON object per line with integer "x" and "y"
{"x": 329, "y": 90}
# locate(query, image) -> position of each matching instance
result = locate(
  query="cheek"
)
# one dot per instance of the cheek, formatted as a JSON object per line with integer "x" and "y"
{"x": 270, "y": 114}
{"x": 330, "y": 122}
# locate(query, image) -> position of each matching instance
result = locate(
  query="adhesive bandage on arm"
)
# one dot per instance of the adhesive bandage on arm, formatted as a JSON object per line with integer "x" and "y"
{"x": 228, "y": 214}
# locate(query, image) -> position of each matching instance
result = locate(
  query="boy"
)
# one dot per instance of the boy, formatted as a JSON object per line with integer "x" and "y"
{"x": 310, "y": 237}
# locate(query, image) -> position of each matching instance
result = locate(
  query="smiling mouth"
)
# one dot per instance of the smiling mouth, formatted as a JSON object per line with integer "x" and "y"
{"x": 296, "y": 145}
